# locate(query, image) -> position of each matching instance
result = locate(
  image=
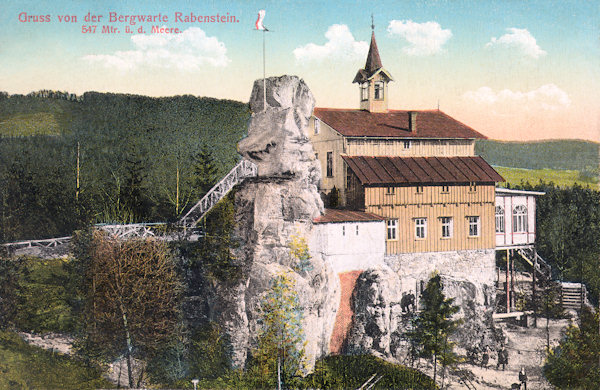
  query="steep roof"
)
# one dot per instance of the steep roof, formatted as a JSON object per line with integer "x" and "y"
{"x": 372, "y": 65}
{"x": 373, "y": 59}
{"x": 394, "y": 123}
{"x": 334, "y": 215}
{"x": 421, "y": 170}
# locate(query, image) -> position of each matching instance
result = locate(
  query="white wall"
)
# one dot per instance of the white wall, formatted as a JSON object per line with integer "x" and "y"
{"x": 509, "y": 237}
{"x": 345, "y": 249}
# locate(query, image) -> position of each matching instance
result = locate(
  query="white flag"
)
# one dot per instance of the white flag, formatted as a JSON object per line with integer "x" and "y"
{"x": 259, "y": 22}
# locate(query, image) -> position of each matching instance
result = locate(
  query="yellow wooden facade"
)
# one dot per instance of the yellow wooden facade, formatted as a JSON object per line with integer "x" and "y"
{"x": 327, "y": 140}
{"x": 458, "y": 202}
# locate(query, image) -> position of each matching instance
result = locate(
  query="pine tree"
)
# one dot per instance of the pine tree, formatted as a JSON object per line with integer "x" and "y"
{"x": 434, "y": 325}
{"x": 575, "y": 362}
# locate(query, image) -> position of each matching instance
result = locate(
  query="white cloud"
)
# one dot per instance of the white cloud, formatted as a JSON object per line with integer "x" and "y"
{"x": 425, "y": 38}
{"x": 340, "y": 44}
{"x": 188, "y": 50}
{"x": 520, "y": 39}
{"x": 548, "y": 97}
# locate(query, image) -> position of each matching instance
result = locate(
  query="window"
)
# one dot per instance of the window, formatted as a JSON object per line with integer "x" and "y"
{"x": 390, "y": 190}
{"x": 520, "y": 219}
{"x": 445, "y": 189}
{"x": 317, "y": 125}
{"x": 379, "y": 90}
{"x": 317, "y": 156}
{"x": 329, "y": 164}
{"x": 419, "y": 189}
{"x": 472, "y": 187}
{"x": 420, "y": 228}
{"x": 343, "y": 230}
{"x": 499, "y": 219}
{"x": 357, "y": 230}
{"x": 406, "y": 144}
{"x": 473, "y": 226}
{"x": 364, "y": 91}
{"x": 446, "y": 227}
{"x": 392, "y": 226}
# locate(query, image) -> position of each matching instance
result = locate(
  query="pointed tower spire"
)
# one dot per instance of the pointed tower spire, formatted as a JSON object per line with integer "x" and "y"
{"x": 373, "y": 58}
{"x": 373, "y": 79}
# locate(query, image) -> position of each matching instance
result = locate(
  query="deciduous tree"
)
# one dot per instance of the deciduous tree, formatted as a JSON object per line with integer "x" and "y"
{"x": 280, "y": 349}
{"x": 132, "y": 298}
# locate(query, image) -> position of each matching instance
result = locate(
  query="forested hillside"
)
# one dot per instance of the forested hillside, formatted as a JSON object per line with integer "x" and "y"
{"x": 575, "y": 155}
{"x": 140, "y": 158}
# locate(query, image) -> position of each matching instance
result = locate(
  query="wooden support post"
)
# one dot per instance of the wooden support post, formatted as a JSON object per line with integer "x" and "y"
{"x": 513, "y": 297}
{"x": 507, "y": 285}
{"x": 533, "y": 297}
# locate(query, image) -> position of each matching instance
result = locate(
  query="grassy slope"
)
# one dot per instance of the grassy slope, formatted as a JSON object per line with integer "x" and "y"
{"x": 562, "y": 178}
{"x": 26, "y": 367}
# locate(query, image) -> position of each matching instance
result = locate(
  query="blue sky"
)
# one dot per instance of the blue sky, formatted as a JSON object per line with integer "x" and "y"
{"x": 510, "y": 69}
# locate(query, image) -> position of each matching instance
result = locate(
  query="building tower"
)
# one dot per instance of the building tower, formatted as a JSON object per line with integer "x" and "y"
{"x": 373, "y": 80}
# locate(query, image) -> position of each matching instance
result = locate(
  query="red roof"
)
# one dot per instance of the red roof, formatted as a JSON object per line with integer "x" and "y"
{"x": 334, "y": 215}
{"x": 394, "y": 123}
{"x": 427, "y": 170}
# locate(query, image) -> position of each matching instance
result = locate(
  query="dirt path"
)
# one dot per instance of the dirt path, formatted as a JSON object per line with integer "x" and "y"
{"x": 526, "y": 348}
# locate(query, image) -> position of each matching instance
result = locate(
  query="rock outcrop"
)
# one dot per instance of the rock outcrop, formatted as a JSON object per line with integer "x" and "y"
{"x": 380, "y": 323}
{"x": 271, "y": 209}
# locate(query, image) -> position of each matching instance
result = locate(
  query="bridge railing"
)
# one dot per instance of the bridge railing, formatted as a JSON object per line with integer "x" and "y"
{"x": 241, "y": 171}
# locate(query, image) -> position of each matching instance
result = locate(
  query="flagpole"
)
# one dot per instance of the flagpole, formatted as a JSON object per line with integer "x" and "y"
{"x": 264, "y": 75}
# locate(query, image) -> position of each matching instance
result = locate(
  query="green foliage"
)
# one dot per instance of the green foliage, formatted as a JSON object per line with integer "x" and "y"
{"x": 10, "y": 274}
{"x": 575, "y": 362}
{"x": 213, "y": 253}
{"x": 281, "y": 338}
{"x": 333, "y": 198}
{"x": 300, "y": 254}
{"x": 350, "y": 372}
{"x": 433, "y": 325}
{"x": 568, "y": 227}
{"x": 37, "y": 295}
{"x": 561, "y": 154}
{"x": 26, "y": 367}
{"x": 132, "y": 148}
{"x": 209, "y": 354}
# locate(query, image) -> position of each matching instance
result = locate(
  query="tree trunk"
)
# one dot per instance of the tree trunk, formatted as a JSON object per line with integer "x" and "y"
{"x": 128, "y": 344}
{"x": 434, "y": 366}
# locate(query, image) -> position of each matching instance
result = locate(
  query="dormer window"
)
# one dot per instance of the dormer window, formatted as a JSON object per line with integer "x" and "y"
{"x": 378, "y": 90}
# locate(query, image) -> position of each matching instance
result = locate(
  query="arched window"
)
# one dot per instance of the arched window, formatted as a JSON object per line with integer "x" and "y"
{"x": 499, "y": 219}
{"x": 520, "y": 219}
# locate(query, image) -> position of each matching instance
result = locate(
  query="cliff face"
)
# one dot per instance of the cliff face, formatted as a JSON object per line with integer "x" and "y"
{"x": 273, "y": 208}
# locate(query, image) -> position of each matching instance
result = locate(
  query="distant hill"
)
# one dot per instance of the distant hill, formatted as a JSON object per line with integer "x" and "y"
{"x": 574, "y": 155}
{"x": 140, "y": 158}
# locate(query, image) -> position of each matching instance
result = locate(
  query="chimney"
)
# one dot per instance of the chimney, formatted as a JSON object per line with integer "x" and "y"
{"x": 412, "y": 121}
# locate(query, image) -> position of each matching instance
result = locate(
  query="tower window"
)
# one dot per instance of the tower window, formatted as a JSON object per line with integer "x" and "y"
{"x": 390, "y": 190}
{"x": 406, "y": 144}
{"x": 379, "y": 90}
{"x": 364, "y": 91}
